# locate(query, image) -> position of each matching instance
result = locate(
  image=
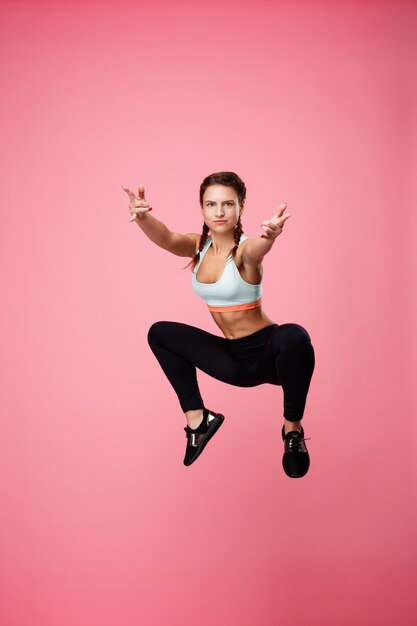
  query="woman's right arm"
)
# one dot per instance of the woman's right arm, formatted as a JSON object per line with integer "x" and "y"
{"x": 156, "y": 231}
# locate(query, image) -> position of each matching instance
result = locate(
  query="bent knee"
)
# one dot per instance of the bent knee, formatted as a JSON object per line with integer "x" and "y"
{"x": 295, "y": 334}
{"x": 156, "y": 331}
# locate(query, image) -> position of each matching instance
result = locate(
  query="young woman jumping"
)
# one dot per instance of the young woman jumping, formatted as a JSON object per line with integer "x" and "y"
{"x": 227, "y": 273}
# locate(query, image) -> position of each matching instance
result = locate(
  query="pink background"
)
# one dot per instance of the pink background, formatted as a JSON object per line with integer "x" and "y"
{"x": 312, "y": 103}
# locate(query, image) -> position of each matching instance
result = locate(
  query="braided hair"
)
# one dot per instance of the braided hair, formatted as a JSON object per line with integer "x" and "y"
{"x": 229, "y": 179}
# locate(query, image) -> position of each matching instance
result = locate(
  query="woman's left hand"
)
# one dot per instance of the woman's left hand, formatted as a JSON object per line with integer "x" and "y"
{"x": 273, "y": 227}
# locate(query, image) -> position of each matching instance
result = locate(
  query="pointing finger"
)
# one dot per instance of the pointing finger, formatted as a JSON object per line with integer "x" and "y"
{"x": 281, "y": 209}
{"x": 129, "y": 192}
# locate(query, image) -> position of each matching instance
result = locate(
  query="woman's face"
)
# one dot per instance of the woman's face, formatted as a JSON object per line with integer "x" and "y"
{"x": 220, "y": 202}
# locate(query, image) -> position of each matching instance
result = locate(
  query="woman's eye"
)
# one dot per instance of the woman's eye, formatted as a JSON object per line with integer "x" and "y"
{"x": 228, "y": 203}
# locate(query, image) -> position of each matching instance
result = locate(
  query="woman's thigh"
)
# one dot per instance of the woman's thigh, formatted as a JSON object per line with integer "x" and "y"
{"x": 206, "y": 351}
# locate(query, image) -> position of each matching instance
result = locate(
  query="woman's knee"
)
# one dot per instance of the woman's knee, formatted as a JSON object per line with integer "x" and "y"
{"x": 156, "y": 331}
{"x": 295, "y": 335}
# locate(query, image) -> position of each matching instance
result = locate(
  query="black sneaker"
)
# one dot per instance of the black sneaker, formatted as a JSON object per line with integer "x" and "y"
{"x": 296, "y": 459}
{"x": 198, "y": 438}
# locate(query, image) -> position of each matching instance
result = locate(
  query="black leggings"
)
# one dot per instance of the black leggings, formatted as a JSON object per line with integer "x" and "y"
{"x": 279, "y": 354}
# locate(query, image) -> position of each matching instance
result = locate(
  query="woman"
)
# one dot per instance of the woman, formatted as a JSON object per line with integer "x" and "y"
{"x": 227, "y": 274}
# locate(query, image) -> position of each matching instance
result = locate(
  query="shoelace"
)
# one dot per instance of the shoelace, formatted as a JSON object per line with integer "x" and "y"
{"x": 294, "y": 441}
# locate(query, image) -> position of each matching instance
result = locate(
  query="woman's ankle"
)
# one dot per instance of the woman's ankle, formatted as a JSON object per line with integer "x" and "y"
{"x": 291, "y": 426}
{"x": 194, "y": 417}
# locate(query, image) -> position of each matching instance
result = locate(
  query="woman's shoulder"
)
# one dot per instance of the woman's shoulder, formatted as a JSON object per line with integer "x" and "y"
{"x": 244, "y": 239}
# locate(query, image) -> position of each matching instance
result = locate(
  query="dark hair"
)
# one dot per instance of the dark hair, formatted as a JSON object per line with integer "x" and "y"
{"x": 228, "y": 179}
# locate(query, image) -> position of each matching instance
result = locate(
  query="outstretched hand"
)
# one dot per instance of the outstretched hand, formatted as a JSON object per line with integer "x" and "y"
{"x": 273, "y": 227}
{"x": 137, "y": 205}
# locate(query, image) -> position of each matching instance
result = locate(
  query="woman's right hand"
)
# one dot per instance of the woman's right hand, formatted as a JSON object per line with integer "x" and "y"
{"x": 137, "y": 205}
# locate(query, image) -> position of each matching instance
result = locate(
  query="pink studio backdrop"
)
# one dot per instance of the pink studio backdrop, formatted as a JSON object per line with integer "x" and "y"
{"x": 312, "y": 103}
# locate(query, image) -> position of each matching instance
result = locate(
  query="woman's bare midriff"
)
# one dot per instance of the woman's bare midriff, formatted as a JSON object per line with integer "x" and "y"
{"x": 238, "y": 324}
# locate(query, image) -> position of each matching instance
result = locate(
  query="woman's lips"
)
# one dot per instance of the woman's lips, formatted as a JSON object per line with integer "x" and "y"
{"x": 220, "y": 221}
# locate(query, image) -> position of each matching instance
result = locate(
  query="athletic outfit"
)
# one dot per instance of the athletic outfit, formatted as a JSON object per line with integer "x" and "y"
{"x": 278, "y": 354}
{"x": 230, "y": 292}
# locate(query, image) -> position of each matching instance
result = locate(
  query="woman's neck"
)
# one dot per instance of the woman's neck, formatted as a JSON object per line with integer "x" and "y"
{"x": 222, "y": 244}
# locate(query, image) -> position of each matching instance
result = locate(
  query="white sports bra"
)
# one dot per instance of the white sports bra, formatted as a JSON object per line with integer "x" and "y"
{"x": 231, "y": 292}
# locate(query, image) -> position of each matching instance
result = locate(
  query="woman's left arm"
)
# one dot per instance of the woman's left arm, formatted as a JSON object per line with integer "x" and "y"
{"x": 255, "y": 249}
